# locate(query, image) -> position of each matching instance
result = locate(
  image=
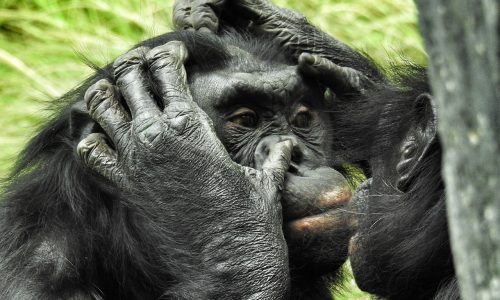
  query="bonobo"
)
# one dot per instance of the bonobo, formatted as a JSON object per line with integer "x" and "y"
{"x": 170, "y": 214}
{"x": 177, "y": 217}
{"x": 401, "y": 249}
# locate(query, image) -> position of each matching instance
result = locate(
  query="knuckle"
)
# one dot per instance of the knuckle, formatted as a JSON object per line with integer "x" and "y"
{"x": 183, "y": 125}
{"x": 172, "y": 53}
{"x": 97, "y": 93}
{"x": 132, "y": 58}
{"x": 204, "y": 16}
{"x": 182, "y": 12}
{"x": 150, "y": 131}
{"x": 87, "y": 146}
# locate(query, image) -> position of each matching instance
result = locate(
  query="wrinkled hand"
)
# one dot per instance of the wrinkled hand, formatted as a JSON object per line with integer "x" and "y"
{"x": 260, "y": 15}
{"x": 169, "y": 156}
{"x": 340, "y": 80}
{"x": 320, "y": 56}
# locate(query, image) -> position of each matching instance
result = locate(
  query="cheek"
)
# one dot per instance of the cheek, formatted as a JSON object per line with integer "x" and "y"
{"x": 240, "y": 144}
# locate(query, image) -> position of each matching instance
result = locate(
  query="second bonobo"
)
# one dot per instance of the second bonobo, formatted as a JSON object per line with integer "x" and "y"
{"x": 256, "y": 98}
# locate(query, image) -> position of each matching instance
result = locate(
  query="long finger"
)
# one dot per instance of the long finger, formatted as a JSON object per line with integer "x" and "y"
{"x": 102, "y": 100}
{"x": 204, "y": 15}
{"x": 339, "y": 79}
{"x": 181, "y": 15}
{"x": 96, "y": 154}
{"x": 131, "y": 81}
{"x": 167, "y": 65}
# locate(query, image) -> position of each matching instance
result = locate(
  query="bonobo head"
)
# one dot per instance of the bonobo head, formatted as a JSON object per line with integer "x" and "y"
{"x": 256, "y": 97}
{"x": 401, "y": 249}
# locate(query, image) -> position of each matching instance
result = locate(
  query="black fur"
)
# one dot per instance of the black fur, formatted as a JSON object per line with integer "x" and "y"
{"x": 402, "y": 249}
{"x": 65, "y": 232}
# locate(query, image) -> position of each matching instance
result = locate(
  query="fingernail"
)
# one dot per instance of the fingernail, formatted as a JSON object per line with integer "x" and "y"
{"x": 204, "y": 30}
{"x": 307, "y": 58}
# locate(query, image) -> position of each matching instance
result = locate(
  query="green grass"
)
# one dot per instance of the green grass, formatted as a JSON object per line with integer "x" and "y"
{"x": 41, "y": 42}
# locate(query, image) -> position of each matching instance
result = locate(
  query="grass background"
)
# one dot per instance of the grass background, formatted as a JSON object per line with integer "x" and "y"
{"x": 41, "y": 43}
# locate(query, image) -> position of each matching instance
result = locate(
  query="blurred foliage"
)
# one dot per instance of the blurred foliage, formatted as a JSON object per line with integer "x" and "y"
{"x": 42, "y": 43}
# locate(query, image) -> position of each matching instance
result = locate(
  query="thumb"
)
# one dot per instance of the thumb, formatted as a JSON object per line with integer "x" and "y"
{"x": 278, "y": 161}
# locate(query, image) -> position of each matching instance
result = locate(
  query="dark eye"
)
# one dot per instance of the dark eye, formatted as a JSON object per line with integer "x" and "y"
{"x": 244, "y": 117}
{"x": 302, "y": 118}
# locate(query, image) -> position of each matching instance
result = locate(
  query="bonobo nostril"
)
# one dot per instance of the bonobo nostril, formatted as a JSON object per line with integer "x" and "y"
{"x": 294, "y": 169}
{"x": 297, "y": 155}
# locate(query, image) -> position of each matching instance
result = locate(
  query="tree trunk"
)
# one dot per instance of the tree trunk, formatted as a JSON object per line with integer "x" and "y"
{"x": 462, "y": 38}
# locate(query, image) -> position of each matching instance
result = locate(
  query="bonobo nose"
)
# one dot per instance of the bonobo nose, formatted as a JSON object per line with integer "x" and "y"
{"x": 266, "y": 143}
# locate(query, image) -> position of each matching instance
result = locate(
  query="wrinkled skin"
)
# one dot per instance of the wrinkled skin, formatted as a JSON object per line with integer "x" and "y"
{"x": 245, "y": 200}
{"x": 253, "y": 111}
{"x": 276, "y": 105}
{"x": 402, "y": 249}
{"x": 316, "y": 243}
{"x": 352, "y": 71}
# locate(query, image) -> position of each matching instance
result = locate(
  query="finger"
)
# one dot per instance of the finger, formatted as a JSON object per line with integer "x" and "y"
{"x": 96, "y": 154}
{"x": 182, "y": 14}
{"x": 204, "y": 15}
{"x": 132, "y": 83}
{"x": 278, "y": 161}
{"x": 167, "y": 65}
{"x": 102, "y": 100}
{"x": 339, "y": 79}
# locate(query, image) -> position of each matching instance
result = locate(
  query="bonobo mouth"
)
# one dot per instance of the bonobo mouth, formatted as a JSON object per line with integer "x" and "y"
{"x": 317, "y": 226}
{"x": 311, "y": 199}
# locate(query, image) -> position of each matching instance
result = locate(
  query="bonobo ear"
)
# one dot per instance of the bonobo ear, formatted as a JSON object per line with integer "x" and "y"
{"x": 418, "y": 140}
{"x": 425, "y": 114}
{"x": 80, "y": 122}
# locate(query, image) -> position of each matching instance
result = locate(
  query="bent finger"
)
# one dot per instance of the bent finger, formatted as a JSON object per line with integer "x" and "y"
{"x": 181, "y": 15}
{"x": 167, "y": 65}
{"x": 96, "y": 154}
{"x": 132, "y": 83}
{"x": 204, "y": 15}
{"x": 339, "y": 79}
{"x": 102, "y": 100}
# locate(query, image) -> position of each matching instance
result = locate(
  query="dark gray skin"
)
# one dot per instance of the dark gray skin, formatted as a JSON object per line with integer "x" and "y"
{"x": 319, "y": 57}
{"x": 252, "y": 112}
{"x": 402, "y": 247}
{"x": 312, "y": 190}
{"x": 245, "y": 200}
{"x": 316, "y": 51}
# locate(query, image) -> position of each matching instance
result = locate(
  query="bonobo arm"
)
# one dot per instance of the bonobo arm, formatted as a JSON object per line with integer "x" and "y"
{"x": 290, "y": 29}
{"x": 225, "y": 218}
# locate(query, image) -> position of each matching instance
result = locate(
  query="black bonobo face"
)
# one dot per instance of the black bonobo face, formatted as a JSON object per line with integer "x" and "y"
{"x": 251, "y": 111}
{"x": 382, "y": 200}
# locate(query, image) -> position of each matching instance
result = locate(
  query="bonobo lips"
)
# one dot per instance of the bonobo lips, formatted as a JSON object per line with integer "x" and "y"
{"x": 311, "y": 199}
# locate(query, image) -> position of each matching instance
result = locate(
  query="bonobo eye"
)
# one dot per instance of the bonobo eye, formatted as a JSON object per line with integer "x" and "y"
{"x": 303, "y": 117}
{"x": 244, "y": 117}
